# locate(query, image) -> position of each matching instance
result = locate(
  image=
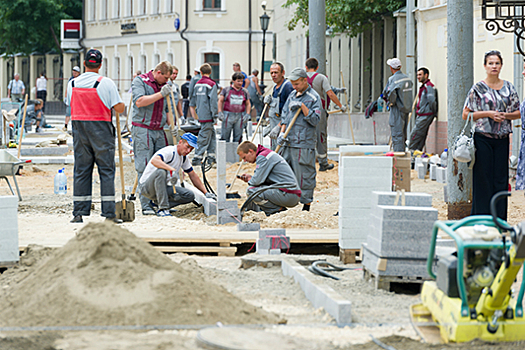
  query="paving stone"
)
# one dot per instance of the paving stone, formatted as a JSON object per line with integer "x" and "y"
{"x": 231, "y": 152}
{"x": 345, "y": 211}
{"x": 366, "y": 162}
{"x": 9, "y": 250}
{"x": 272, "y": 232}
{"x": 421, "y": 171}
{"x": 365, "y": 148}
{"x": 412, "y": 199}
{"x": 394, "y": 267}
{"x": 441, "y": 175}
{"x": 387, "y": 212}
{"x": 391, "y": 246}
{"x": 253, "y": 226}
{"x": 228, "y": 204}
{"x": 275, "y": 251}
{"x": 433, "y": 170}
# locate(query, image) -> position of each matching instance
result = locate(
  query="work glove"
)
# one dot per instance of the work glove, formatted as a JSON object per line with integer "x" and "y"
{"x": 165, "y": 91}
{"x": 274, "y": 133}
{"x": 174, "y": 132}
{"x": 281, "y": 140}
{"x": 295, "y": 105}
{"x": 343, "y": 108}
{"x": 221, "y": 116}
{"x": 246, "y": 117}
{"x": 268, "y": 99}
{"x": 173, "y": 177}
{"x": 210, "y": 195}
{"x": 342, "y": 90}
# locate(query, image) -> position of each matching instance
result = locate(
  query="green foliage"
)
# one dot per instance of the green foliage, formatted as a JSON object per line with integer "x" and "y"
{"x": 25, "y": 25}
{"x": 349, "y": 16}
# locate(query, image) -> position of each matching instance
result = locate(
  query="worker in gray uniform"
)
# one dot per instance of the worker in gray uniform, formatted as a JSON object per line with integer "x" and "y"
{"x": 149, "y": 116}
{"x": 176, "y": 101}
{"x": 426, "y": 110}
{"x": 271, "y": 171}
{"x": 255, "y": 93}
{"x": 161, "y": 175}
{"x": 276, "y": 101}
{"x": 234, "y": 108}
{"x": 204, "y": 103}
{"x": 196, "y": 77}
{"x": 91, "y": 97}
{"x": 298, "y": 148}
{"x": 398, "y": 87}
{"x": 321, "y": 85}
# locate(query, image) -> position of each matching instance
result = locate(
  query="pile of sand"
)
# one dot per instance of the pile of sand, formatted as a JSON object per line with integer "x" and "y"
{"x": 108, "y": 276}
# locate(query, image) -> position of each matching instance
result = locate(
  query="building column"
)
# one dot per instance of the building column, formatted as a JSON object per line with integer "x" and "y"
{"x": 377, "y": 63}
{"x": 4, "y": 78}
{"x": 353, "y": 81}
{"x": 366, "y": 64}
{"x": 388, "y": 45}
{"x": 33, "y": 75}
{"x": 67, "y": 67}
{"x": 50, "y": 77}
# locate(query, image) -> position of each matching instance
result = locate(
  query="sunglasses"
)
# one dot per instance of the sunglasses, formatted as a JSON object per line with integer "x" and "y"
{"x": 492, "y": 52}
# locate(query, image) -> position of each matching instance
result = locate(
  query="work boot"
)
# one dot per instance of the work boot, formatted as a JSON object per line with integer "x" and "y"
{"x": 325, "y": 167}
{"x": 163, "y": 212}
{"x": 196, "y": 161}
{"x": 148, "y": 211}
{"x": 114, "y": 220}
{"x": 211, "y": 162}
{"x": 38, "y": 130}
{"x": 77, "y": 219}
{"x": 306, "y": 207}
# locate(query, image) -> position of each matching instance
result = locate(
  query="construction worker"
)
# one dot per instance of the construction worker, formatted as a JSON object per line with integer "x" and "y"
{"x": 234, "y": 109}
{"x": 276, "y": 101}
{"x": 176, "y": 91}
{"x": 203, "y": 103}
{"x": 161, "y": 174}
{"x": 298, "y": 148}
{"x": 196, "y": 77}
{"x": 148, "y": 118}
{"x": 255, "y": 93}
{"x": 321, "y": 85}
{"x": 91, "y": 98}
{"x": 74, "y": 73}
{"x": 271, "y": 171}
{"x": 398, "y": 86}
{"x": 426, "y": 110}
{"x": 35, "y": 115}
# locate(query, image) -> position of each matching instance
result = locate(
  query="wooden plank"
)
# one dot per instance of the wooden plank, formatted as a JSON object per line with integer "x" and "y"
{"x": 222, "y": 251}
{"x": 350, "y": 256}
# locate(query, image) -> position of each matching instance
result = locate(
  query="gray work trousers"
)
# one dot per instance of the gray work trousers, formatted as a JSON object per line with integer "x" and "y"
{"x": 93, "y": 143}
{"x": 420, "y": 132}
{"x": 322, "y": 139}
{"x": 302, "y": 162}
{"x": 397, "y": 122}
{"x": 232, "y": 123}
{"x": 271, "y": 201}
{"x": 157, "y": 189}
{"x": 206, "y": 141}
{"x": 145, "y": 144}
{"x": 273, "y": 123}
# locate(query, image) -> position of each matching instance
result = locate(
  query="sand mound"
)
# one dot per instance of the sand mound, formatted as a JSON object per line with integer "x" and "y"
{"x": 108, "y": 276}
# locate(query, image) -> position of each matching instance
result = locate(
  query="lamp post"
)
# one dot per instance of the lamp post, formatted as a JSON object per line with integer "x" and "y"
{"x": 265, "y": 20}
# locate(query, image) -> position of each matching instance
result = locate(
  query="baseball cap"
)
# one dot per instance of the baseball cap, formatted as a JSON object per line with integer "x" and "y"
{"x": 93, "y": 56}
{"x": 76, "y": 69}
{"x": 297, "y": 73}
{"x": 192, "y": 139}
{"x": 197, "y": 69}
{"x": 395, "y": 63}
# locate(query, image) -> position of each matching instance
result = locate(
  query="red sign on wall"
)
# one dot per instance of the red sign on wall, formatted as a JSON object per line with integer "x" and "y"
{"x": 70, "y": 33}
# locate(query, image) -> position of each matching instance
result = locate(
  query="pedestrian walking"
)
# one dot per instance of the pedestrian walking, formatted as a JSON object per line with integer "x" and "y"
{"x": 41, "y": 89}
{"x": 255, "y": 93}
{"x": 16, "y": 89}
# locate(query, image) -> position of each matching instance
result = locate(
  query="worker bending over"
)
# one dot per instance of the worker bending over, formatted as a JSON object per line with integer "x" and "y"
{"x": 271, "y": 171}
{"x": 298, "y": 148}
{"x": 161, "y": 174}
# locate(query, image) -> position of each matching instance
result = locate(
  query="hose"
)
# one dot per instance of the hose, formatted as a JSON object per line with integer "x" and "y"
{"x": 251, "y": 197}
{"x": 316, "y": 269}
{"x": 381, "y": 344}
{"x": 205, "y": 167}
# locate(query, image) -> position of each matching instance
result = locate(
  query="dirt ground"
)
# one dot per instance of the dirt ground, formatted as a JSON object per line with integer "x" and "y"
{"x": 379, "y": 313}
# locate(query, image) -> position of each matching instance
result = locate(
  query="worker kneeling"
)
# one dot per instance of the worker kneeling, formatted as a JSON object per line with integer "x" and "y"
{"x": 273, "y": 184}
{"x": 160, "y": 175}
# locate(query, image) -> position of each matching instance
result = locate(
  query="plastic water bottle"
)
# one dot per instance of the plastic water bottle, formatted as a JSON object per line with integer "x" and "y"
{"x": 380, "y": 104}
{"x": 60, "y": 182}
{"x": 444, "y": 157}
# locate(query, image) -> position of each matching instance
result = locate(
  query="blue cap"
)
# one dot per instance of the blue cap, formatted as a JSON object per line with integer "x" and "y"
{"x": 192, "y": 139}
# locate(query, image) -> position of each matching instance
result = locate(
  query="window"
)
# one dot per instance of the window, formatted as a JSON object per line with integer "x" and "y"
{"x": 142, "y": 7}
{"x": 155, "y": 7}
{"x": 131, "y": 70}
{"x": 105, "y": 67}
{"x": 211, "y": 4}
{"x": 213, "y": 59}
{"x": 170, "y": 6}
{"x": 104, "y": 9}
{"x": 93, "y": 10}
{"x": 156, "y": 60}
{"x": 116, "y": 72}
{"x": 143, "y": 63}
{"x": 129, "y": 8}
{"x": 169, "y": 58}
{"x": 116, "y": 8}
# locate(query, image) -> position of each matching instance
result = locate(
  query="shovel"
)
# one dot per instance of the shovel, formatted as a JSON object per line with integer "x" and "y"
{"x": 124, "y": 210}
{"x": 132, "y": 196}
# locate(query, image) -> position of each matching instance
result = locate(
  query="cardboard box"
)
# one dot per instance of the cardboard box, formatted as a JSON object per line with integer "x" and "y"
{"x": 401, "y": 173}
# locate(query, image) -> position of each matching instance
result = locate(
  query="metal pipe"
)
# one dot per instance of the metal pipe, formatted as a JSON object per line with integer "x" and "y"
{"x": 188, "y": 69}
{"x": 250, "y": 36}
{"x": 518, "y": 84}
{"x": 262, "y": 63}
{"x": 317, "y": 28}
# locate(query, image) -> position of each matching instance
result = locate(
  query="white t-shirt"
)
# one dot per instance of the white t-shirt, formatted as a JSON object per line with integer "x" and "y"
{"x": 170, "y": 156}
{"x": 41, "y": 84}
{"x": 106, "y": 90}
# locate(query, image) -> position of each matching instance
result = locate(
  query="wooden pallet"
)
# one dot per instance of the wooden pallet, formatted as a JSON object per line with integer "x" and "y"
{"x": 384, "y": 282}
{"x": 350, "y": 256}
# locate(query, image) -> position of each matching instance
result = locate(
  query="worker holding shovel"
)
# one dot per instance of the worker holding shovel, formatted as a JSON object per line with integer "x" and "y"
{"x": 301, "y": 115}
{"x": 157, "y": 183}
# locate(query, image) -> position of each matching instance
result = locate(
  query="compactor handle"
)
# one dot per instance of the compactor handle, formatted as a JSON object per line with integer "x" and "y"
{"x": 499, "y": 222}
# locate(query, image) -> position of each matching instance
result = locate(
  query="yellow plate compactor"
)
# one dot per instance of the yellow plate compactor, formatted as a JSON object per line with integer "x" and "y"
{"x": 472, "y": 296}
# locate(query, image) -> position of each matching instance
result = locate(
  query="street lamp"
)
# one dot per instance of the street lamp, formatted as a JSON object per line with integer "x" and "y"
{"x": 265, "y": 20}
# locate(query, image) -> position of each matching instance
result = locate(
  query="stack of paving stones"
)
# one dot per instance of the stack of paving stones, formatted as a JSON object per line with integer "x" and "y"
{"x": 9, "y": 253}
{"x": 227, "y": 210}
{"x": 359, "y": 176}
{"x": 399, "y": 236}
{"x": 272, "y": 241}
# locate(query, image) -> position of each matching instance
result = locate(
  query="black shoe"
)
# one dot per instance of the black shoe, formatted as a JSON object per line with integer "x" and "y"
{"x": 196, "y": 161}
{"x": 326, "y": 167}
{"x": 306, "y": 207}
{"x": 115, "y": 220}
{"x": 77, "y": 219}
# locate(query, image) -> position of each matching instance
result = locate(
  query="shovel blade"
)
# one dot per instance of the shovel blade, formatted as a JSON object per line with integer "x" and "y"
{"x": 126, "y": 215}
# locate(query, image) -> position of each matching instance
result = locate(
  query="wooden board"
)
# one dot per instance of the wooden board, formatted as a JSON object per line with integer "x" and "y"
{"x": 221, "y": 251}
{"x": 383, "y": 282}
{"x": 424, "y": 324}
{"x": 350, "y": 256}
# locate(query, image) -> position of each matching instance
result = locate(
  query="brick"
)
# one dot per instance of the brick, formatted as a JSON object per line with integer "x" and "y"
{"x": 229, "y": 204}
{"x": 394, "y": 267}
{"x": 349, "y": 212}
{"x": 441, "y": 175}
{"x": 275, "y": 251}
{"x": 412, "y": 199}
{"x": 263, "y": 243}
{"x": 272, "y": 232}
{"x": 433, "y": 170}
{"x": 382, "y": 178}
{"x": 421, "y": 171}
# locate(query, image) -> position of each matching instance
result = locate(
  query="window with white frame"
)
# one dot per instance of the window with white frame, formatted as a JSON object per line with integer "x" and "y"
{"x": 105, "y": 67}
{"x": 155, "y": 7}
{"x": 116, "y": 72}
{"x": 103, "y": 9}
{"x": 143, "y": 5}
{"x": 156, "y": 60}
{"x": 144, "y": 63}
{"x": 211, "y": 5}
{"x": 116, "y": 8}
{"x": 93, "y": 10}
{"x": 129, "y": 8}
{"x": 170, "y": 6}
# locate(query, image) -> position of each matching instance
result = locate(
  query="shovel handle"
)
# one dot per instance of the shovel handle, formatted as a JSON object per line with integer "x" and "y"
{"x": 121, "y": 165}
{"x": 289, "y": 128}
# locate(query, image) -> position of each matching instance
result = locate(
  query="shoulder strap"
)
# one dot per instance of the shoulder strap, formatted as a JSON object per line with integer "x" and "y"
{"x": 99, "y": 79}
{"x": 73, "y": 83}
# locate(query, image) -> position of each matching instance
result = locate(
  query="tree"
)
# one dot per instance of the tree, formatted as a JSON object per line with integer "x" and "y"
{"x": 349, "y": 16}
{"x": 33, "y": 25}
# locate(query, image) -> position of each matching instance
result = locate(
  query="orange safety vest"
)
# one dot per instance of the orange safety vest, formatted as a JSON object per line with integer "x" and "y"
{"x": 86, "y": 105}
